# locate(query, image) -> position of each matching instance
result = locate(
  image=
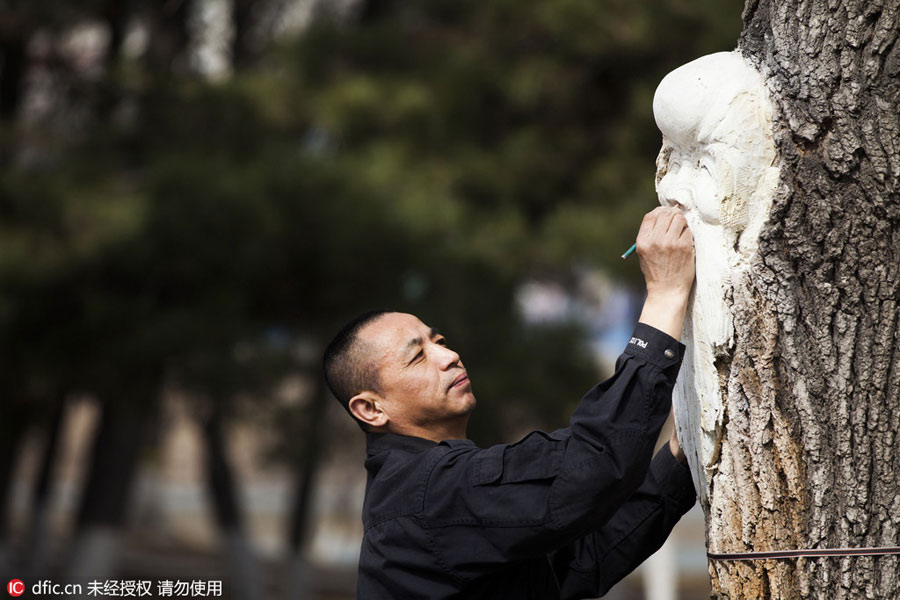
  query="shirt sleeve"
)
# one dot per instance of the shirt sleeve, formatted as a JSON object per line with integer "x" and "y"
{"x": 594, "y": 563}
{"x": 485, "y": 508}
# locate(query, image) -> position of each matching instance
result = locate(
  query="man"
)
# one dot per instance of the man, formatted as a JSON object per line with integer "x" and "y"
{"x": 560, "y": 515}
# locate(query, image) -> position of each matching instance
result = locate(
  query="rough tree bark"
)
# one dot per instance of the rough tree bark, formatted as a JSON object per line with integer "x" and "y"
{"x": 812, "y": 386}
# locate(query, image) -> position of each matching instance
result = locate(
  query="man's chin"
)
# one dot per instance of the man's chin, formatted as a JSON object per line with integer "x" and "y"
{"x": 462, "y": 405}
{"x": 471, "y": 402}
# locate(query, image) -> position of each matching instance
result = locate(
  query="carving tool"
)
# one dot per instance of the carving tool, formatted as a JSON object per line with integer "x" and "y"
{"x": 629, "y": 251}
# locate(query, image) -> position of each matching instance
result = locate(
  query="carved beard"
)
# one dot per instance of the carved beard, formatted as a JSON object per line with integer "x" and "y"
{"x": 708, "y": 334}
{"x": 722, "y": 254}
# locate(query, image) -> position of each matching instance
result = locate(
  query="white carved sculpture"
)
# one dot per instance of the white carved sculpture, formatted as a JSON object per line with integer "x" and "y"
{"x": 716, "y": 162}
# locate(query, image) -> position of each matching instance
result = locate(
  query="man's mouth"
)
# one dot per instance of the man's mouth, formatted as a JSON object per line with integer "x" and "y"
{"x": 461, "y": 380}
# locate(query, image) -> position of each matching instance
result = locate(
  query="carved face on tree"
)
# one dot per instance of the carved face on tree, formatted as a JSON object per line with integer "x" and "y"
{"x": 717, "y": 163}
{"x": 717, "y": 148}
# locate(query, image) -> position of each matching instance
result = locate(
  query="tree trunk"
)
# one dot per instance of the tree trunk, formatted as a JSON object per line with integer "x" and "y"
{"x": 170, "y": 37}
{"x": 114, "y": 461}
{"x": 811, "y": 405}
{"x": 115, "y": 15}
{"x": 299, "y": 533}
{"x": 15, "y": 420}
{"x": 243, "y": 15}
{"x": 242, "y": 563}
{"x": 13, "y": 63}
{"x": 36, "y": 544}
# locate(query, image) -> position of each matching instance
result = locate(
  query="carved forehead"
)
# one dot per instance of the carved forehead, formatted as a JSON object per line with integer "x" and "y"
{"x": 695, "y": 98}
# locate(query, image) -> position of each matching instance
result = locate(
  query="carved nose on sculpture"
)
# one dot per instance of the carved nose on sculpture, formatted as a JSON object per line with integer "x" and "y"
{"x": 678, "y": 197}
{"x": 675, "y": 189}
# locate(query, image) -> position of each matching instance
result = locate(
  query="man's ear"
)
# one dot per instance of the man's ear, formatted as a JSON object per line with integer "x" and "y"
{"x": 367, "y": 407}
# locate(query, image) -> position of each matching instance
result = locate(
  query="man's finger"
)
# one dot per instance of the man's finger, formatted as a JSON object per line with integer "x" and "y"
{"x": 679, "y": 223}
{"x": 665, "y": 218}
{"x": 648, "y": 223}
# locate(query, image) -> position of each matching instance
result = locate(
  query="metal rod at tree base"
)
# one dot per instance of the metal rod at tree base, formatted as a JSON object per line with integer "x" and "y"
{"x": 805, "y": 553}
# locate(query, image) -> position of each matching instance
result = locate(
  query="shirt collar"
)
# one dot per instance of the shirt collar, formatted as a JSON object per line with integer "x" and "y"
{"x": 376, "y": 443}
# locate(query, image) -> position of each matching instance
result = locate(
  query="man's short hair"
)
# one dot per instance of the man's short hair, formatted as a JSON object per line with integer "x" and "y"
{"x": 349, "y": 368}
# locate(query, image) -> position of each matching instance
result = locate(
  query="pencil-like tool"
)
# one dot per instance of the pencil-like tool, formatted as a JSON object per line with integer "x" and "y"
{"x": 629, "y": 251}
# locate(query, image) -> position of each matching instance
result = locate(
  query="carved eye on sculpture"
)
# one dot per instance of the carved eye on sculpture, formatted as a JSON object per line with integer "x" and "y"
{"x": 707, "y": 165}
{"x": 690, "y": 184}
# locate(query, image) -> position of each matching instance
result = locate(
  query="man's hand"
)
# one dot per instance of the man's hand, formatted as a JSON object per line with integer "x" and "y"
{"x": 666, "y": 249}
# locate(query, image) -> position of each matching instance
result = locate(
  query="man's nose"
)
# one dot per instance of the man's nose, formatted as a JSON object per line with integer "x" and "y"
{"x": 447, "y": 358}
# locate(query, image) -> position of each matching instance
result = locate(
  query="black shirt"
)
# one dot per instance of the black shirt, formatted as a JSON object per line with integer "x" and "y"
{"x": 561, "y": 515}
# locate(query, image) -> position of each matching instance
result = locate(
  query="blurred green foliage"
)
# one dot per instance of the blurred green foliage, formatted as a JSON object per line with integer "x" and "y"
{"x": 427, "y": 156}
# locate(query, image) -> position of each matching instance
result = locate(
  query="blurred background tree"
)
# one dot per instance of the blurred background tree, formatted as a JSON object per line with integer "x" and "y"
{"x": 165, "y": 226}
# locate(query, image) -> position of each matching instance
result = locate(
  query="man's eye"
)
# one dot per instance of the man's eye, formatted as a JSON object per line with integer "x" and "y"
{"x": 419, "y": 355}
{"x": 441, "y": 342}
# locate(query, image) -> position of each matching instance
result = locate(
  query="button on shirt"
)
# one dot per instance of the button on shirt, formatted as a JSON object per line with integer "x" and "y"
{"x": 561, "y": 515}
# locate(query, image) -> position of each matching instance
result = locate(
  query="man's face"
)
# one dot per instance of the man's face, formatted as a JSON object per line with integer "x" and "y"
{"x": 423, "y": 382}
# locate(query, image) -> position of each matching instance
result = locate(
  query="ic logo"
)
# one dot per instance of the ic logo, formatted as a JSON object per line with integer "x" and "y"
{"x": 15, "y": 587}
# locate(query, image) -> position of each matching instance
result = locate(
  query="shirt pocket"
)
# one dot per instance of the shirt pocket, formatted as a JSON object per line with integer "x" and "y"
{"x": 535, "y": 457}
